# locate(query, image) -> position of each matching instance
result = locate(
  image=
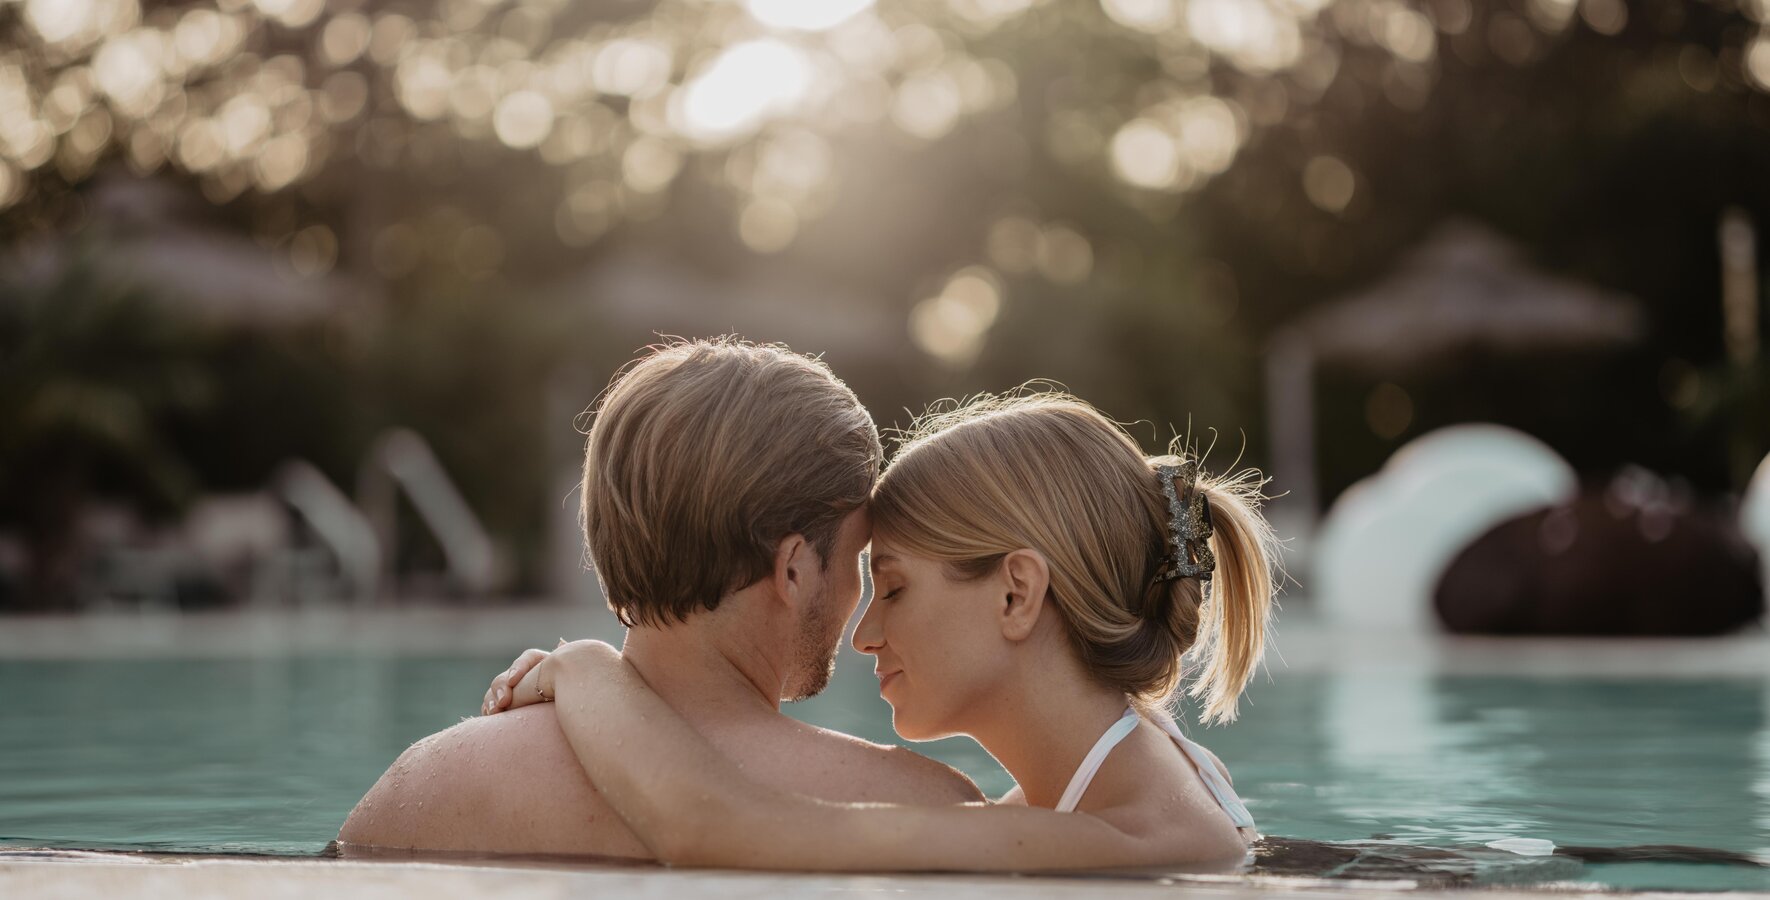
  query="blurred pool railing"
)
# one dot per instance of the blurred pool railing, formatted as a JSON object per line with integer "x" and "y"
{"x": 300, "y": 541}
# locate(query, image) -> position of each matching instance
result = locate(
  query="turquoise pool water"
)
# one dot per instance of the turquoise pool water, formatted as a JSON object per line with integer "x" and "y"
{"x": 269, "y": 756}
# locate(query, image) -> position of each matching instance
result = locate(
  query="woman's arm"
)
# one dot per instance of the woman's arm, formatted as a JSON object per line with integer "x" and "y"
{"x": 690, "y": 805}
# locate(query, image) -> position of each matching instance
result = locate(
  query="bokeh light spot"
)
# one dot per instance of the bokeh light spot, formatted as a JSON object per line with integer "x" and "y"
{"x": 767, "y": 225}
{"x": 127, "y": 69}
{"x": 1153, "y": 16}
{"x": 1607, "y": 17}
{"x": 201, "y": 145}
{"x": 391, "y": 38}
{"x": 650, "y": 164}
{"x": 1757, "y": 60}
{"x": 927, "y": 105}
{"x": 282, "y": 162}
{"x": 422, "y": 84}
{"x": 313, "y": 251}
{"x": 292, "y": 13}
{"x": 1210, "y": 133}
{"x": 630, "y": 67}
{"x": 343, "y": 96}
{"x": 1144, "y": 154}
{"x": 952, "y": 325}
{"x": 1013, "y": 244}
{"x": 345, "y": 38}
{"x": 1329, "y": 183}
{"x": 1065, "y": 256}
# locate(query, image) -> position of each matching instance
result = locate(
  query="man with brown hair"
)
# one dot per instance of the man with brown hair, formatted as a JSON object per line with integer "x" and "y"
{"x": 724, "y": 507}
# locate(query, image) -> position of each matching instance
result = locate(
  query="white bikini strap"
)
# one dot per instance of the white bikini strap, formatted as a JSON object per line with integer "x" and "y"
{"x": 1078, "y": 783}
{"x": 1219, "y": 785}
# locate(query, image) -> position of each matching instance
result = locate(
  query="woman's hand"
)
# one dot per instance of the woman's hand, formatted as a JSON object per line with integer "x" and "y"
{"x": 536, "y": 685}
{"x": 502, "y": 694}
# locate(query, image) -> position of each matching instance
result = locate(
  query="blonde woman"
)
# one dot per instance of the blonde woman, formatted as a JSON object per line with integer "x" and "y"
{"x": 1037, "y": 582}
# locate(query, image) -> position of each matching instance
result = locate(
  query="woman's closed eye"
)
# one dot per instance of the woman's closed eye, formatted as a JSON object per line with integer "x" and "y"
{"x": 891, "y": 593}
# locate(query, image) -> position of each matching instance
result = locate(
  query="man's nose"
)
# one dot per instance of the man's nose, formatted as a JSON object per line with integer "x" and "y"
{"x": 868, "y": 636}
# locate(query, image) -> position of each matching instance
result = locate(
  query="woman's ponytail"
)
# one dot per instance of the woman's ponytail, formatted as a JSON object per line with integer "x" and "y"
{"x": 1233, "y": 619}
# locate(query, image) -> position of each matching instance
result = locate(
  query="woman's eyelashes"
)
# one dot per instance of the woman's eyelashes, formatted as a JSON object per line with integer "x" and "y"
{"x": 891, "y": 593}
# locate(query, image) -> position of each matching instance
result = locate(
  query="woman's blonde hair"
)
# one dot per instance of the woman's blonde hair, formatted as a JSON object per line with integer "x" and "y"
{"x": 975, "y": 481}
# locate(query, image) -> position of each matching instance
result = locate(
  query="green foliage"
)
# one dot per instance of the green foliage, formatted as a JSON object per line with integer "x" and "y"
{"x": 91, "y": 371}
{"x": 111, "y": 392}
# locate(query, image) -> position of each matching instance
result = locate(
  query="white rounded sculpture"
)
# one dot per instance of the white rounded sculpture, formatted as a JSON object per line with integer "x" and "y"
{"x": 1754, "y": 516}
{"x": 1388, "y": 538}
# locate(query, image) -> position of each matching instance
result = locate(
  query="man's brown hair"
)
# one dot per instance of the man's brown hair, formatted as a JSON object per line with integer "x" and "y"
{"x": 702, "y": 456}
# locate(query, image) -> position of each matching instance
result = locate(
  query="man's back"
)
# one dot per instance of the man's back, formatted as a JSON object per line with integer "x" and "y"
{"x": 510, "y": 783}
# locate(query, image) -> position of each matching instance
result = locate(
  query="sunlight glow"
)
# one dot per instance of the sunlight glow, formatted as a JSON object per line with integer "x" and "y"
{"x": 1249, "y": 33}
{"x": 748, "y": 84}
{"x": 261, "y": 94}
{"x": 804, "y": 15}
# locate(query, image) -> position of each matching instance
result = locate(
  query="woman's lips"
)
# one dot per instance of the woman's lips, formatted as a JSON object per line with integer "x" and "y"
{"x": 886, "y": 678}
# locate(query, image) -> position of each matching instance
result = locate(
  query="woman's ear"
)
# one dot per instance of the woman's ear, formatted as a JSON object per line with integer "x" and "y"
{"x": 1026, "y": 578}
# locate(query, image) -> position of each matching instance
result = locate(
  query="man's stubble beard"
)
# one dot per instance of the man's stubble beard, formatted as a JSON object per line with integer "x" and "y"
{"x": 814, "y": 650}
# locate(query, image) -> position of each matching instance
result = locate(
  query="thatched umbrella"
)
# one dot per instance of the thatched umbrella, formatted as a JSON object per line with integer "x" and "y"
{"x": 1463, "y": 291}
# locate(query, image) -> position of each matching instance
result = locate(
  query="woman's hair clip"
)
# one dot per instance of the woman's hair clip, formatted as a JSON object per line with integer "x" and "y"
{"x": 1189, "y": 524}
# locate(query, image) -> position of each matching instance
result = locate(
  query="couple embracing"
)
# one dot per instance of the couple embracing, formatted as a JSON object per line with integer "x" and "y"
{"x": 1037, "y": 583}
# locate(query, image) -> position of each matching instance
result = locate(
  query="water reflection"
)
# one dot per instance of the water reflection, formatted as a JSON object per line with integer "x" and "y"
{"x": 268, "y": 756}
{"x": 1449, "y": 761}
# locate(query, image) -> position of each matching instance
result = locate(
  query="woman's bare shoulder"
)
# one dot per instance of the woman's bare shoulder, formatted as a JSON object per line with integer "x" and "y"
{"x": 1147, "y": 787}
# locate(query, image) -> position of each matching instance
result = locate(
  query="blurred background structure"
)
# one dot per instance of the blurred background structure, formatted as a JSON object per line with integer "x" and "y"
{"x": 300, "y": 299}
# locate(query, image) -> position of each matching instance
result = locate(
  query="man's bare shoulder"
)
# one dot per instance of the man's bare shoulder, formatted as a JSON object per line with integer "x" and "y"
{"x": 861, "y": 771}
{"x": 503, "y": 783}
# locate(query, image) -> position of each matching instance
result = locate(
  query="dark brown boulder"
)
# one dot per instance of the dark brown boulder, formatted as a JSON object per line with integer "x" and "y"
{"x": 1631, "y": 560}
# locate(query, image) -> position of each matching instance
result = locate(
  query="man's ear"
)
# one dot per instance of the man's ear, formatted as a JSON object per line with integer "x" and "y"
{"x": 1026, "y": 579}
{"x": 794, "y": 562}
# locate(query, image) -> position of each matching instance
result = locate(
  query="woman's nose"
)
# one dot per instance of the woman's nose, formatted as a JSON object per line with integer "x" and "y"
{"x": 868, "y": 636}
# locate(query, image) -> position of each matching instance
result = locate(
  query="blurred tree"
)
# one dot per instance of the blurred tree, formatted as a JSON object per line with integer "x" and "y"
{"x": 1125, "y": 196}
{"x": 90, "y": 373}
